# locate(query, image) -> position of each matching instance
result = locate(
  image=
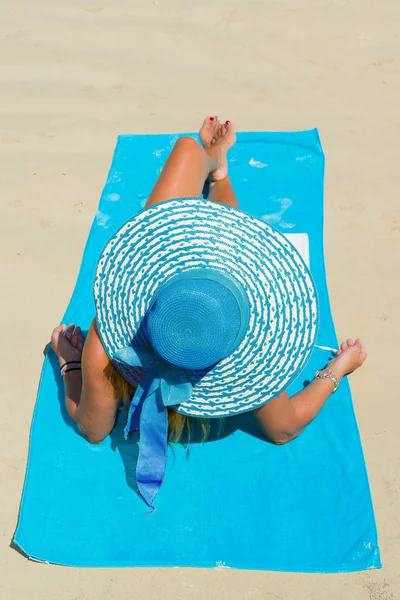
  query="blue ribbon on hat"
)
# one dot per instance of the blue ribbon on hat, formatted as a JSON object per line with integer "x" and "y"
{"x": 162, "y": 385}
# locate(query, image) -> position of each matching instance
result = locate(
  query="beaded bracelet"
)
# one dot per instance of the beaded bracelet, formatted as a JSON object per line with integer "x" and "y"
{"x": 327, "y": 374}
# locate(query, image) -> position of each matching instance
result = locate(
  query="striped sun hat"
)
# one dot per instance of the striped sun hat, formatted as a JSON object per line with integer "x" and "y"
{"x": 205, "y": 309}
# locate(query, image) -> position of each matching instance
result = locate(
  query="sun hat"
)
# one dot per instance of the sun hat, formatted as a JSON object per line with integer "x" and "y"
{"x": 205, "y": 309}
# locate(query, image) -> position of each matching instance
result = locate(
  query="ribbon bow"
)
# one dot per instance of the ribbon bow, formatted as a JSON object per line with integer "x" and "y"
{"x": 161, "y": 385}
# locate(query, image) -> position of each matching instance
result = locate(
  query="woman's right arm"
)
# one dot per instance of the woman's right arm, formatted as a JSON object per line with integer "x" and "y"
{"x": 97, "y": 409}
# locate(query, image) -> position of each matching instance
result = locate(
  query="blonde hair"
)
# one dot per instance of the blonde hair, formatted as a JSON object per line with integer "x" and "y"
{"x": 179, "y": 426}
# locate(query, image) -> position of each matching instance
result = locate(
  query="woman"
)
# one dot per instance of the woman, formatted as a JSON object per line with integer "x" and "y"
{"x": 94, "y": 392}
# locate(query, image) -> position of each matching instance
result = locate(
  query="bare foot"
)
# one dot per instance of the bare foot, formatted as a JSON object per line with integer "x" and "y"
{"x": 67, "y": 343}
{"x": 217, "y": 138}
{"x": 349, "y": 357}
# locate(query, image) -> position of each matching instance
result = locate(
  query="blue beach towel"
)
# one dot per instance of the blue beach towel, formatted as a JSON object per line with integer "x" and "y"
{"x": 237, "y": 501}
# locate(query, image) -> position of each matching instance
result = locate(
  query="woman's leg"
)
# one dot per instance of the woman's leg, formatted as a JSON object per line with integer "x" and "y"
{"x": 222, "y": 191}
{"x": 184, "y": 173}
{"x": 189, "y": 165}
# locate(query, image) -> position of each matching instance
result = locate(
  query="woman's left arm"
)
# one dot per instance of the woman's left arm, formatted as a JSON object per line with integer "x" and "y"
{"x": 284, "y": 418}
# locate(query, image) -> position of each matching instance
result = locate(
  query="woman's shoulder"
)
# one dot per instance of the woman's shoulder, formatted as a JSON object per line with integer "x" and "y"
{"x": 95, "y": 358}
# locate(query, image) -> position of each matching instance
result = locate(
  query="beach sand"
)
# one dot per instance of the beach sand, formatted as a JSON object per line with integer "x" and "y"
{"x": 76, "y": 74}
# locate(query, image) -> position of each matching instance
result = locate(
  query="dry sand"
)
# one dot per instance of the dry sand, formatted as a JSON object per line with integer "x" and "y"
{"x": 74, "y": 75}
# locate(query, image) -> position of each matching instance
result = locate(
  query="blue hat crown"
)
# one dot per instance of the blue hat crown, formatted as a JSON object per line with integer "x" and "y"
{"x": 197, "y": 319}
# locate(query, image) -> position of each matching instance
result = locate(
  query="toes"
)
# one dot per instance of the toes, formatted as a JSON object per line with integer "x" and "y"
{"x": 69, "y": 332}
{"x": 230, "y": 132}
{"x": 207, "y": 124}
{"x": 343, "y": 346}
{"x": 338, "y": 352}
{"x": 350, "y": 342}
{"x": 214, "y": 127}
{"x": 220, "y": 130}
{"x": 207, "y": 131}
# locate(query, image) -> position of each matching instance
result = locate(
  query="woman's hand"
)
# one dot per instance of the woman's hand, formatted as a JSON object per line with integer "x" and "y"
{"x": 349, "y": 357}
{"x": 67, "y": 343}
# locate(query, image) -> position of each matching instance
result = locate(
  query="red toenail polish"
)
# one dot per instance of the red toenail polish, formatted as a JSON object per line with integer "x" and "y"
{"x": 211, "y": 118}
{"x": 227, "y": 122}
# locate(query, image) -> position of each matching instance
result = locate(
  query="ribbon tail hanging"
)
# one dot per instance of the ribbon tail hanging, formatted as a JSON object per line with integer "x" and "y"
{"x": 169, "y": 388}
{"x": 153, "y": 446}
{"x": 135, "y": 409}
{"x": 128, "y": 355}
{"x": 161, "y": 386}
{"x": 147, "y": 385}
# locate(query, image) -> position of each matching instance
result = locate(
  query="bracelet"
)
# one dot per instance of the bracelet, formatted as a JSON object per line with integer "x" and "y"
{"x": 71, "y": 362}
{"x": 72, "y": 369}
{"x": 69, "y": 366}
{"x": 327, "y": 374}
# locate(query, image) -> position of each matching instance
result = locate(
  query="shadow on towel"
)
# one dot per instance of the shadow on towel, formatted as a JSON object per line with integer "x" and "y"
{"x": 129, "y": 448}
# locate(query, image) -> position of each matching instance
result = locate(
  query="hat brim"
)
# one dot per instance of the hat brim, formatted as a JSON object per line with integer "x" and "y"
{"x": 179, "y": 235}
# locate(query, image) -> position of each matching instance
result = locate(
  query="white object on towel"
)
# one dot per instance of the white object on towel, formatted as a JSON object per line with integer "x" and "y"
{"x": 327, "y": 348}
{"x": 300, "y": 242}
